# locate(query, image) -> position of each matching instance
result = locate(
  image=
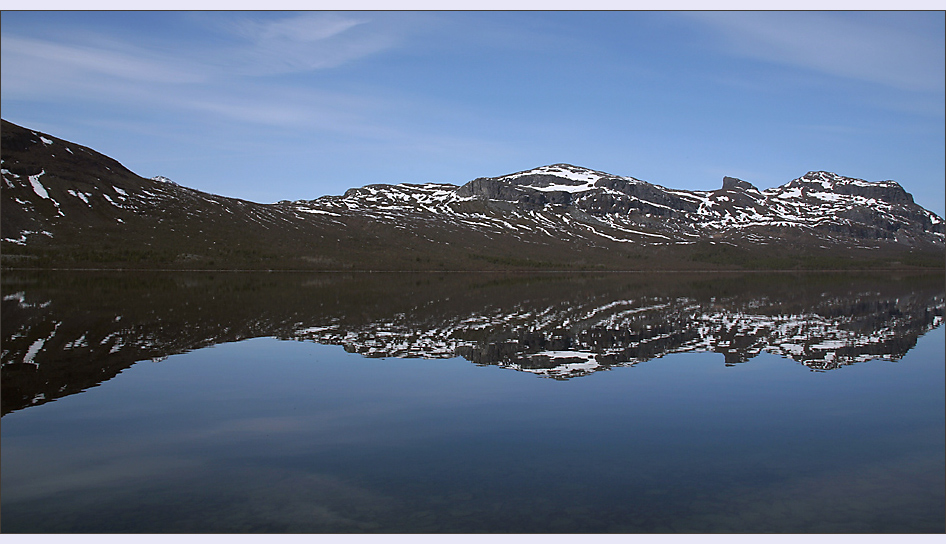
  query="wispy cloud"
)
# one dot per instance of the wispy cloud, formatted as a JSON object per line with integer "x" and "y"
{"x": 303, "y": 42}
{"x": 256, "y": 47}
{"x": 32, "y": 65}
{"x": 833, "y": 129}
{"x": 223, "y": 78}
{"x": 304, "y": 28}
{"x": 883, "y": 48}
{"x": 292, "y": 108}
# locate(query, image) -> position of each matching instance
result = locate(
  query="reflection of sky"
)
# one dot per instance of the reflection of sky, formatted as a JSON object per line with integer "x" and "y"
{"x": 301, "y": 425}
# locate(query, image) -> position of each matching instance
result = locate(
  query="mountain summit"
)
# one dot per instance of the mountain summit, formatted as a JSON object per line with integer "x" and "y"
{"x": 66, "y": 205}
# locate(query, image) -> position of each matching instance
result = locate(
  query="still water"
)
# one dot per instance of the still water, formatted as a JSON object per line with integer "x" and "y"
{"x": 453, "y": 403}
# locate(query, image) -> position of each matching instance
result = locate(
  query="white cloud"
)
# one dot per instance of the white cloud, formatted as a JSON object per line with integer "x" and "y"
{"x": 223, "y": 77}
{"x": 893, "y": 49}
{"x": 252, "y": 47}
{"x": 303, "y": 42}
{"x": 37, "y": 62}
{"x": 291, "y": 108}
{"x": 307, "y": 27}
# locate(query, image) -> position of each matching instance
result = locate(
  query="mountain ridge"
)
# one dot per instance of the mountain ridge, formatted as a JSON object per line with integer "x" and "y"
{"x": 67, "y": 205}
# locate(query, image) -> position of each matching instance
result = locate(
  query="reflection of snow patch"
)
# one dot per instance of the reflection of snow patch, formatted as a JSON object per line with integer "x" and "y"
{"x": 19, "y": 297}
{"x": 80, "y": 342}
{"x": 584, "y": 355}
{"x": 829, "y": 344}
{"x": 573, "y": 362}
{"x": 794, "y": 349}
{"x": 315, "y": 329}
{"x": 33, "y": 350}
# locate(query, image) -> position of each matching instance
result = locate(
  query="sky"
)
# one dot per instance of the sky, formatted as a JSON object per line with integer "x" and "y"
{"x": 271, "y": 106}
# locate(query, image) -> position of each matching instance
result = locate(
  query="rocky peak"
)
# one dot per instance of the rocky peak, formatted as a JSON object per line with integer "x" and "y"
{"x": 552, "y": 183}
{"x": 737, "y": 184}
{"x": 821, "y": 181}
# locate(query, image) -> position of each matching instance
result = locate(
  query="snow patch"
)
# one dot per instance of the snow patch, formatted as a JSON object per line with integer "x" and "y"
{"x": 567, "y": 188}
{"x": 22, "y": 239}
{"x": 323, "y": 212}
{"x": 80, "y": 195}
{"x": 37, "y": 186}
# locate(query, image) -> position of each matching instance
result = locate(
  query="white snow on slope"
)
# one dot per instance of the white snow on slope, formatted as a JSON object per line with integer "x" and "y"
{"x": 585, "y": 177}
{"x": 37, "y": 186}
{"x": 80, "y": 195}
{"x": 568, "y": 188}
{"x": 561, "y": 171}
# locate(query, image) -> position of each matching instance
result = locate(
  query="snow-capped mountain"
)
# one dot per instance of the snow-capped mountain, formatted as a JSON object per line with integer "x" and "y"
{"x": 64, "y": 204}
{"x": 577, "y": 203}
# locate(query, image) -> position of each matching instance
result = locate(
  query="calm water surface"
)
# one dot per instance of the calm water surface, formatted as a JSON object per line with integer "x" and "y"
{"x": 594, "y": 405}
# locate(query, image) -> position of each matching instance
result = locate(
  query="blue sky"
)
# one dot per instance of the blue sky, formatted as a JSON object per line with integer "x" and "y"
{"x": 295, "y": 105}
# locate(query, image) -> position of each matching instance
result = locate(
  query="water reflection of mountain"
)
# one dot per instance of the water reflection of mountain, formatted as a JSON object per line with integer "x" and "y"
{"x": 64, "y": 333}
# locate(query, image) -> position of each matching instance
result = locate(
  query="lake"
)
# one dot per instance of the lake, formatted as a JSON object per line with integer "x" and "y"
{"x": 470, "y": 403}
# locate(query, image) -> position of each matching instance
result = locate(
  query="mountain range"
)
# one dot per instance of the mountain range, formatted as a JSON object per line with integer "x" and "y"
{"x": 65, "y": 205}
